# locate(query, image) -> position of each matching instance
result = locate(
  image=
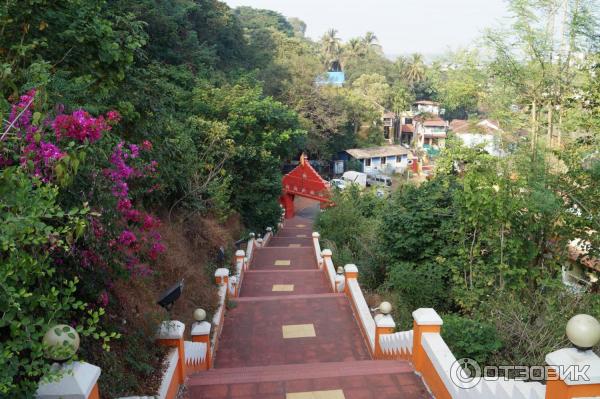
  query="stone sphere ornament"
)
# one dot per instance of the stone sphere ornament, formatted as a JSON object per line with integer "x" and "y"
{"x": 385, "y": 308}
{"x": 583, "y": 331}
{"x": 199, "y": 314}
{"x": 340, "y": 270}
{"x": 62, "y": 342}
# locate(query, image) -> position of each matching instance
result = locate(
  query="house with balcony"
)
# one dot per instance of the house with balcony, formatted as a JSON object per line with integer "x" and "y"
{"x": 430, "y": 132}
{"x": 391, "y": 127}
{"x": 387, "y": 160}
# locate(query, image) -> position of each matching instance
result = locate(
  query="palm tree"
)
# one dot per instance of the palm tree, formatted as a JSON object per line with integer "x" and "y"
{"x": 370, "y": 40}
{"x": 355, "y": 48}
{"x": 330, "y": 46}
{"x": 415, "y": 69}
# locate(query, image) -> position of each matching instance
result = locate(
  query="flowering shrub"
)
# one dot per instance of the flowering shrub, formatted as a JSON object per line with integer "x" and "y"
{"x": 64, "y": 161}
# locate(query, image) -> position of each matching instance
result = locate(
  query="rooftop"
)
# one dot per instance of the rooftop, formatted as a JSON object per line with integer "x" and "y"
{"x": 483, "y": 126}
{"x": 374, "y": 152}
{"x": 426, "y": 102}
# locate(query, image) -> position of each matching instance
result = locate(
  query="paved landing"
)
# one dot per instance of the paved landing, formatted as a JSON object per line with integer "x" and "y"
{"x": 253, "y": 332}
{"x": 354, "y": 380}
{"x": 278, "y": 258}
{"x": 262, "y": 283}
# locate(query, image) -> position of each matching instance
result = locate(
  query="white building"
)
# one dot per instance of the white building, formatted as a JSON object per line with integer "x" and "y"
{"x": 426, "y": 107}
{"x": 386, "y": 160}
{"x": 485, "y": 133}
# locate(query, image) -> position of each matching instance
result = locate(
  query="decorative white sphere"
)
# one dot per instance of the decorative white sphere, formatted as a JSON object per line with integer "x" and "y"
{"x": 326, "y": 252}
{"x": 252, "y": 235}
{"x": 199, "y": 314}
{"x": 385, "y": 307}
{"x": 583, "y": 331}
{"x": 62, "y": 342}
{"x": 340, "y": 270}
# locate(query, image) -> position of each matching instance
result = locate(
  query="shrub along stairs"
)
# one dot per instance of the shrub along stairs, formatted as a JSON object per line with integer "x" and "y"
{"x": 291, "y": 336}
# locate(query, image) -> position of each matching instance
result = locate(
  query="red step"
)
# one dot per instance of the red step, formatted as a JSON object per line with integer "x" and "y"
{"x": 244, "y": 375}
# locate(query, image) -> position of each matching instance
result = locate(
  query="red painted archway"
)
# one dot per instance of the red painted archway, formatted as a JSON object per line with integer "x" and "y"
{"x": 305, "y": 182}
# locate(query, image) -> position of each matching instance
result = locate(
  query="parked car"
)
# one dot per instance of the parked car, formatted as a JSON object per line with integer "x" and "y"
{"x": 379, "y": 180}
{"x": 355, "y": 178}
{"x": 338, "y": 183}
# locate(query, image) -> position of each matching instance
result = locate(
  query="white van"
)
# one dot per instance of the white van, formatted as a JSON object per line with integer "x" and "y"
{"x": 355, "y": 178}
{"x": 379, "y": 180}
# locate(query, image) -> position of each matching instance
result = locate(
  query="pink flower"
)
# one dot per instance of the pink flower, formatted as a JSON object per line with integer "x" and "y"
{"x": 113, "y": 116}
{"x": 50, "y": 152}
{"x": 156, "y": 249}
{"x": 127, "y": 238}
{"x": 147, "y": 145}
{"x": 150, "y": 222}
{"x": 103, "y": 299}
{"x": 135, "y": 151}
{"x": 123, "y": 204}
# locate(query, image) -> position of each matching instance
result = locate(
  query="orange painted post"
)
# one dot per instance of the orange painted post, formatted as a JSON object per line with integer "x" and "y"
{"x": 79, "y": 380}
{"x": 222, "y": 276}
{"x": 426, "y": 320}
{"x": 170, "y": 333}
{"x": 384, "y": 325}
{"x": 573, "y": 373}
{"x": 201, "y": 333}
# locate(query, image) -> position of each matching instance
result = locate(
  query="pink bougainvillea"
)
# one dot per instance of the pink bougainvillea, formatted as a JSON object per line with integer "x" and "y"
{"x": 126, "y": 236}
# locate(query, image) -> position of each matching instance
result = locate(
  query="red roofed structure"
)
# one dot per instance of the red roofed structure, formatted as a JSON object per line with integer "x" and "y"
{"x": 305, "y": 182}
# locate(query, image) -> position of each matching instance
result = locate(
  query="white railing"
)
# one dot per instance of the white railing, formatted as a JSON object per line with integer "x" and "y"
{"x": 217, "y": 320}
{"x": 330, "y": 269}
{"x": 397, "y": 344}
{"x": 445, "y": 366}
{"x": 195, "y": 353}
{"x": 317, "y": 247}
{"x": 169, "y": 374}
{"x": 362, "y": 309}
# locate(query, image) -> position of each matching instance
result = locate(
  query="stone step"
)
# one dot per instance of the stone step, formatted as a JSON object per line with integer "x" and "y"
{"x": 288, "y": 297}
{"x": 285, "y": 258}
{"x": 284, "y": 282}
{"x": 243, "y": 375}
{"x": 290, "y": 241}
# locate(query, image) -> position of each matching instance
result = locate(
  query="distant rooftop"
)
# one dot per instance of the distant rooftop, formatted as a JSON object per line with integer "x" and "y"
{"x": 375, "y": 152}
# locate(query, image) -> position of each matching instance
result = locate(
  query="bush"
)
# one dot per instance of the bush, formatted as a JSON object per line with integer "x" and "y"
{"x": 468, "y": 338}
{"x": 423, "y": 286}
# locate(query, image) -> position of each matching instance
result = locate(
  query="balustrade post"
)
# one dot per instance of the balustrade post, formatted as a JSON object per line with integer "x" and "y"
{"x": 575, "y": 372}
{"x": 201, "y": 333}
{"x": 222, "y": 276}
{"x": 170, "y": 333}
{"x": 425, "y": 320}
{"x": 351, "y": 273}
{"x": 384, "y": 323}
{"x": 79, "y": 380}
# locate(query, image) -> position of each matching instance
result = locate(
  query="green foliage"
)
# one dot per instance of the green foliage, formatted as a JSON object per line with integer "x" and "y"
{"x": 35, "y": 294}
{"x": 351, "y": 229}
{"x": 473, "y": 339}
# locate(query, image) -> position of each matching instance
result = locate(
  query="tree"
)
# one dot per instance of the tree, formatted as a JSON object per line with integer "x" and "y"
{"x": 298, "y": 25}
{"x": 370, "y": 40}
{"x": 415, "y": 69}
{"x": 330, "y": 47}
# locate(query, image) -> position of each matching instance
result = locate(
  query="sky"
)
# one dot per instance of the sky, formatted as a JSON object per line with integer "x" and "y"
{"x": 430, "y": 27}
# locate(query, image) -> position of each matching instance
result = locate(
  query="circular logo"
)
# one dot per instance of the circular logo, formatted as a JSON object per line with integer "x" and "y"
{"x": 465, "y": 373}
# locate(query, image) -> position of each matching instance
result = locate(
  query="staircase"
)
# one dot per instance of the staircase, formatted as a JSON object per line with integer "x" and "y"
{"x": 290, "y": 337}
